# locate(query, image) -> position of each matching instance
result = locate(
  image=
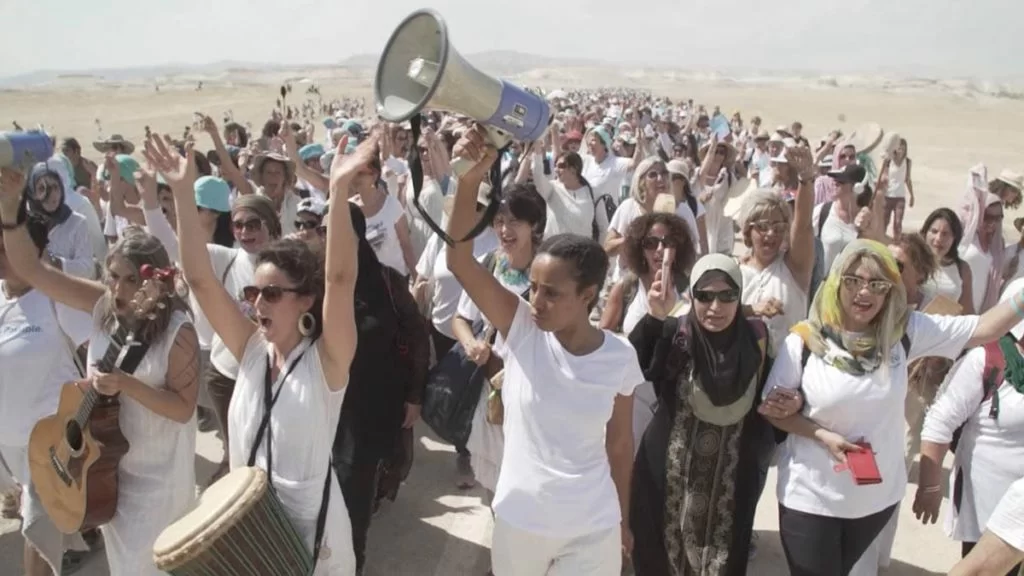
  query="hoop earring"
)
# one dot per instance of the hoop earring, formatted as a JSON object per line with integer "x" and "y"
{"x": 307, "y": 324}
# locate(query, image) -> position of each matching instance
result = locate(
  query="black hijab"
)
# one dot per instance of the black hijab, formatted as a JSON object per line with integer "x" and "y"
{"x": 724, "y": 361}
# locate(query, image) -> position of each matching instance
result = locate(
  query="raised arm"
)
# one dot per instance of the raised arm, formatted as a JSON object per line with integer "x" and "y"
{"x": 77, "y": 293}
{"x": 291, "y": 148}
{"x": 800, "y": 258}
{"x": 997, "y": 321}
{"x": 338, "y": 345}
{"x": 220, "y": 308}
{"x": 118, "y": 207}
{"x": 228, "y": 170}
{"x": 496, "y": 303}
{"x": 540, "y": 180}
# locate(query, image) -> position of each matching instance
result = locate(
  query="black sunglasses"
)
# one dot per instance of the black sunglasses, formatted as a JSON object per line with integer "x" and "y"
{"x": 306, "y": 225}
{"x": 251, "y": 225}
{"x": 652, "y": 242}
{"x": 271, "y": 293}
{"x": 724, "y": 296}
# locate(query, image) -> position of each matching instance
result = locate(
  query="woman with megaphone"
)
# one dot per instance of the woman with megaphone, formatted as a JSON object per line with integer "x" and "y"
{"x": 562, "y": 495}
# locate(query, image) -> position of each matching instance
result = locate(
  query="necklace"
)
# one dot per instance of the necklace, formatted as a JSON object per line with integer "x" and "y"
{"x": 508, "y": 275}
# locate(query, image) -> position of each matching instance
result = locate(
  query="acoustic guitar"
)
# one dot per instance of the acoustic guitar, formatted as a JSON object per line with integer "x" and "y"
{"x": 74, "y": 454}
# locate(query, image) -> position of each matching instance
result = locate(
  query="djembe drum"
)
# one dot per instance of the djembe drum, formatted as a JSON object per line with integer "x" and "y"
{"x": 238, "y": 528}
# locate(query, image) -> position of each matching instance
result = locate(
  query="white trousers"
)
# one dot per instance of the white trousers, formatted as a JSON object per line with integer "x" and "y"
{"x": 516, "y": 552}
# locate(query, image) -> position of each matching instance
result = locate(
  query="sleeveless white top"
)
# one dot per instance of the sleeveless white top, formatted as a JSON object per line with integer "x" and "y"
{"x": 897, "y": 180}
{"x": 775, "y": 281}
{"x": 157, "y": 478}
{"x": 303, "y": 424}
{"x": 945, "y": 282}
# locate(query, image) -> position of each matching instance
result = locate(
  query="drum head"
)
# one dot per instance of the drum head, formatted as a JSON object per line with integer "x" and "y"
{"x": 218, "y": 506}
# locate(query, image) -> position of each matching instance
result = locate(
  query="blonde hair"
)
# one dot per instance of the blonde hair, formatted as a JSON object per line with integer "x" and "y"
{"x": 885, "y": 330}
{"x": 757, "y": 205}
{"x": 638, "y": 188}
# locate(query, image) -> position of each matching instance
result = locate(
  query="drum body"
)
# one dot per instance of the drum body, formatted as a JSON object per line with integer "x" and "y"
{"x": 238, "y": 528}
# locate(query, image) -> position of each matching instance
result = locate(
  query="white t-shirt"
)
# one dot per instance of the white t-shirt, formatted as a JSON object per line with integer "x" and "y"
{"x": 113, "y": 226}
{"x": 235, "y": 268}
{"x": 36, "y": 360}
{"x": 835, "y": 234}
{"x": 1007, "y": 521}
{"x": 980, "y": 263}
{"x": 555, "y": 477}
{"x": 433, "y": 266}
{"x": 381, "y": 234}
{"x": 608, "y": 176}
{"x": 868, "y": 407}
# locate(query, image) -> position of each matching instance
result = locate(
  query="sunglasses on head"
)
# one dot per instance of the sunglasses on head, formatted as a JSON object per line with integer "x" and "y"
{"x": 724, "y": 296}
{"x": 251, "y": 225}
{"x": 271, "y": 293}
{"x": 877, "y": 287}
{"x": 653, "y": 242}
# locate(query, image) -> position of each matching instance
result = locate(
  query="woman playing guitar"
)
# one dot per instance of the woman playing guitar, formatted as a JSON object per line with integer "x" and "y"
{"x": 156, "y": 477}
{"x": 292, "y": 376}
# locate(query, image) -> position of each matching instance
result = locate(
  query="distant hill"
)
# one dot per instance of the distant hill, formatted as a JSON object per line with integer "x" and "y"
{"x": 504, "y": 62}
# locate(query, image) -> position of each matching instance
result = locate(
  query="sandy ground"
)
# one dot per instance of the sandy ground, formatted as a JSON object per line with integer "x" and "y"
{"x": 434, "y": 529}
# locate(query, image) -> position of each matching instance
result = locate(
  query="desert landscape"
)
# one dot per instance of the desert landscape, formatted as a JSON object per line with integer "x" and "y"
{"x": 434, "y": 529}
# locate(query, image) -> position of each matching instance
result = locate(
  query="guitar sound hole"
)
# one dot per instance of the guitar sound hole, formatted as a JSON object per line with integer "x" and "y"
{"x": 73, "y": 434}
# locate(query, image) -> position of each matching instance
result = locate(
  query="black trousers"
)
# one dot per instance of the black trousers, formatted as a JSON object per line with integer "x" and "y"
{"x": 359, "y": 487}
{"x": 819, "y": 545}
{"x": 966, "y": 547}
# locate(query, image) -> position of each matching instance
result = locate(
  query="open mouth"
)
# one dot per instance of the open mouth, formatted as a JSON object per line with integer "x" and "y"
{"x": 264, "y": 322}
{"x": 119, "y": 304}
{"x": 508, "y": 243}
{"x": 862, "y": 305}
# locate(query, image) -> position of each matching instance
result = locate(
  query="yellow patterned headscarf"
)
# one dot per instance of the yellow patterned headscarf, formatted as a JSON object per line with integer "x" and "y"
{"x": 823, "y": 332}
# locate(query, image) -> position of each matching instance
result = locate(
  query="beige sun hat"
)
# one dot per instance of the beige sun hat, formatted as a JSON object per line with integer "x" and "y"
{"x": 104, "y": 146}
{"x": 257, "y": 166}
{"x": 1011, "y": 178}
{"x": 730, "y": 152}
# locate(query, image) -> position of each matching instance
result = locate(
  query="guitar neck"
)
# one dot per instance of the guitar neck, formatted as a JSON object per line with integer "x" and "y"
{"x": 106, "y": 365}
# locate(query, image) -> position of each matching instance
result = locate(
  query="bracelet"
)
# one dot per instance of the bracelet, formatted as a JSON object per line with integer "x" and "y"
{"x": 1013, "y": 302}
{"x": 931, "y": 489}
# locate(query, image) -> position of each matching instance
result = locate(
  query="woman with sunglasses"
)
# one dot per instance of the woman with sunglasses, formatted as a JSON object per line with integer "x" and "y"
{"x": 696, "y": 481}
{"x": 309, "y": 220}
{"x": 563, "y": 491}
{"x": 850, "y": 361}
{"x": 605, "y": 171}
{"x": 292, "y": 373}
{"x": 69, "y": 243}
{"x": 777, "y": 268}
{"x": 569, "y": 197}
{"x": 156, "y": 477}
{"x": 255, "y": 225}
{"x": 983, "y": 249}
{"x": 649, "y": 180}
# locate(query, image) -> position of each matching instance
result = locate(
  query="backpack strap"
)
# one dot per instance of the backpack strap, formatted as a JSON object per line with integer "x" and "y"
{"x": 490, "y": 261}
{"x": 992, "y": 375}
{"x": 823, "y": 216}
{"x": 905, "y": 342}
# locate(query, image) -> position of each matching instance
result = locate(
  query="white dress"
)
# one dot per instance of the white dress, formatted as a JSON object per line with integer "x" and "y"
{"x": 157, "y": 477}
{"x": 303, "y": 424}
{"x": 776, "y": 281}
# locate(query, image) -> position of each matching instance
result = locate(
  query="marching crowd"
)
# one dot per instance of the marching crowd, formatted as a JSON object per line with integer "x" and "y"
{"x": 570, "y": 313}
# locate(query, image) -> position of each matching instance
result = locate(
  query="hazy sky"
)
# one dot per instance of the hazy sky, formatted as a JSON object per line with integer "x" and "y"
{"x": 983, "y": 38}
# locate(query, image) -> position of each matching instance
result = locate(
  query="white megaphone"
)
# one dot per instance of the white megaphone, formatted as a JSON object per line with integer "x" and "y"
{"x": 419, "y": 69}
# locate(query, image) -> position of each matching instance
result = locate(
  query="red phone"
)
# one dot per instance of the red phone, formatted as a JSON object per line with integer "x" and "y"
{"x": 863, "y": 466}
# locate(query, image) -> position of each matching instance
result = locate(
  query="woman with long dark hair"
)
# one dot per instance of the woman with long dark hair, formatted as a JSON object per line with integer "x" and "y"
{"x": 569, "y": 197}
{"x": 286, "y": 350}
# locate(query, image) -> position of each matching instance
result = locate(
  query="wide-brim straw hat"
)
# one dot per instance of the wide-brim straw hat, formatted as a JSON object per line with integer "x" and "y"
{"x": 257, "y": 166}
{"x": 1011, "y": 178}
{"x": 104, "y": 146}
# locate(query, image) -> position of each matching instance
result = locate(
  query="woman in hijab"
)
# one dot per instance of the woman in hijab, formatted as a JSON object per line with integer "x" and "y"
{"x": 692, "y": 505}
{"x": 69, "y": 243}
{"x": 850, "y": 361}
{"x": 383, "y": 397}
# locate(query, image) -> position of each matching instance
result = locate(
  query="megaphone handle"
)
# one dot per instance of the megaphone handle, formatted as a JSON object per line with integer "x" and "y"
{"x": 495, "y": 138}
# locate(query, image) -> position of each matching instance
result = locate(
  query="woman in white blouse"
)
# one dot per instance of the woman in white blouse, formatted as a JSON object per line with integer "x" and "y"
{"x": 572, "y": 202}
{"x": 944, "y": 232}
{"x": 990, "y": 453}
{"x": 850, "y": 361}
